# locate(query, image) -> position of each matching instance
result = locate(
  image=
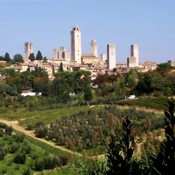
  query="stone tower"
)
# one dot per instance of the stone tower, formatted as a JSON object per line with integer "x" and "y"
{"x": 103, "y": 57}
{"x": 135, "y": 53}
{"x": 76, "y": 45}
{"x": 94, "y": 50}
{"x": 55, "y": 53}
{"x": 111, "y": 56}
{"x": 28, "y": 49}
{"x": 62, "y": 52}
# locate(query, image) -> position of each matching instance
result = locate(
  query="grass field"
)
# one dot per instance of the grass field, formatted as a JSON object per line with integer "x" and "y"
{"x": 29, "y": 117}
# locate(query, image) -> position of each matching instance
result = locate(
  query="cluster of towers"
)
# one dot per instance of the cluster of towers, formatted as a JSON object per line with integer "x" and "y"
{"x": 132, "y": 61}
{"x": 77, "y": 56}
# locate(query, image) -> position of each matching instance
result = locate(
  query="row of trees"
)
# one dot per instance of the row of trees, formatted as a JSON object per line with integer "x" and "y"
{"x": 120, "y": 158}
{"x": 86, "y": 130}
{"x": 18, "y": 58}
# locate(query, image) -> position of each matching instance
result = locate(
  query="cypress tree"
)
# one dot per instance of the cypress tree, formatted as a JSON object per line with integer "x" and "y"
{"x": 32, "y": 57}
{"x": 39, "y": 56}
{"x": 61, "y": 67}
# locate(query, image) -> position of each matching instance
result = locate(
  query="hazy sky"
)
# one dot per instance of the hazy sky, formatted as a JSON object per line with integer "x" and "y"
{"x": 47, "y": 24}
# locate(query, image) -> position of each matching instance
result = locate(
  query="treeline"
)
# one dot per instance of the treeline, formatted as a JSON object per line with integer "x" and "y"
{"x": 79, "y": 87}
{"x": 38, "y": 81}
{"x": 18, "y": 58}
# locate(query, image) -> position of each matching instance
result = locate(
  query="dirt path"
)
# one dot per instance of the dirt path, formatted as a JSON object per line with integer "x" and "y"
{"x": 15, "y": 125}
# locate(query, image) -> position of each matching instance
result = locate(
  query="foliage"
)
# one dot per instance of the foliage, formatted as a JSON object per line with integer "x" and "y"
{"x": 23, "y": 160}
{"x": 3, "y": 152}
{"x": 164, "y": 161}
{"x": 87, "y": 94}
{"x": 20, "y": 157}
{"x": 7, "y": 89}
{"x": 32, "y": 57}
{"x": 18, "y": 58}
{"x": 76, "y": 80}
{"x": 7, "y": 57}
{"x": 119, "y": 153}
{"x": 61, "y": 67}
{"x": 164, "y": 66}
{"x": 39, "y": 72}
{"x": 39, "y": 55}
{"x": 83, "y": 166}
{"x": 86, "y": 130}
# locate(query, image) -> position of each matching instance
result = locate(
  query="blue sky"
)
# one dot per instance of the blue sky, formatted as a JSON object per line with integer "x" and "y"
{"x": 47, "y": 24}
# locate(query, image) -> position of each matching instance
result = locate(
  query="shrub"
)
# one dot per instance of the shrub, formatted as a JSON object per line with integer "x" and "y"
{"x": 63, "y": 160}
{"x": 20, "y": 157}
{"x": 41, "y": 132}
{"x": 2, "y": 152}
{"x": 38, "y": 165}
{"x": 14, "y": 147}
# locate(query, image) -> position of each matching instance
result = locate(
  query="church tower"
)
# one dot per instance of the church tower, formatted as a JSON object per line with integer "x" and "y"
{"x": 94, "y": 50}
{"x": 76, "y": 45}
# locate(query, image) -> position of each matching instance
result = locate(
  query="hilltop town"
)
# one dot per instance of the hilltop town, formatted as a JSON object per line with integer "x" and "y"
{"x": 76, "y": 60}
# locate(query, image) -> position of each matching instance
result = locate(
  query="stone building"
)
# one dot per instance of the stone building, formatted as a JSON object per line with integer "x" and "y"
{"x": 89, "y": 59}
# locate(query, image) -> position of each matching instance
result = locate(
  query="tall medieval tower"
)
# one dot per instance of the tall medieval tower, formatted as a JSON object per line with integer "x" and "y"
{"x": 94, "y": 50}
{"x": 135, "y": 53}
{"x": 76, "y": 45}
{"x": 28, "y": 50}
{"x": 111, "y": 56}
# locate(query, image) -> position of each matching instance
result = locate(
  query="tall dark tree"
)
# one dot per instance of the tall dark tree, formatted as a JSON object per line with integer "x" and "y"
{"x": 61, "y": 67}
{"x": 119, "y": 153}
{"x": 32, "y": 57}
{"x": 164, "y": 162}
{"x": 87, "y": 94}
{"x": 7, "y": 57}
{"x": 18, "y": 58}
{"x": 39, "y": 55}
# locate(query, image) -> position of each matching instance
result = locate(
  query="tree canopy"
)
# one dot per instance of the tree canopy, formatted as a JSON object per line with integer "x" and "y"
{"x": 32, "y": 57}
{"x": 7, "y": 57}
{"x": 18, "y": 58}
{"x": 39, "y": 55}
